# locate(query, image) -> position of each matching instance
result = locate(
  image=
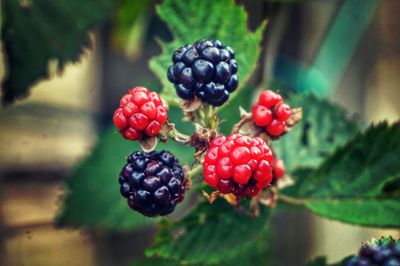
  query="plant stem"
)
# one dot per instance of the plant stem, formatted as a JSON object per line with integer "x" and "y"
{"x": 195, "y": 171}
{"x": 178, "y": 136}
{"x": 290, "y": 200}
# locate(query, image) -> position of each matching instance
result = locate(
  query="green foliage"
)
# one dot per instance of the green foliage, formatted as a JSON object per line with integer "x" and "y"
{"x": 36, "y": 31}
{"x": 349, "y": 185}
{"x": 323, "y": 128}
{"x": 211, "y": 235}
{"x": 192, "y": 20}
{"x": 94, "y": 199}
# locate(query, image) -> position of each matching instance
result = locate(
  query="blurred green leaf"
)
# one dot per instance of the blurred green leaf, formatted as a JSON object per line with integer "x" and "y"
{"x": 192, "y": 20}
{"x": 37, "y": 31}
{"x": 323, "y": 128}
{"x": 130, "y": 26}
{"x": 93, "y": 199}
{"x": 211, "y": 235}
{"x": 321, "y": 261}
{"x": 349, "y": 185}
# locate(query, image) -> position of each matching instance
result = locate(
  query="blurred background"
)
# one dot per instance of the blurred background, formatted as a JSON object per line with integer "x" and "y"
{"x": 353, "y": 46}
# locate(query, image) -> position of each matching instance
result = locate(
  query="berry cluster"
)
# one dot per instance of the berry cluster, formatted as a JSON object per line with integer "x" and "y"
{"x": 206, "y": 69}
{"x": 270, "y": 112}
{"x": 152, "y": 182}
{"x": 238, "y": 164}
{"x": 141, "y": 114}
{"x": 380, "y": 253}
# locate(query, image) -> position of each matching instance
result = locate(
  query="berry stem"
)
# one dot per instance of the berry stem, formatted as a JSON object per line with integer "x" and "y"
{"x": 178, "y": 136}
{"x": 290, "y": 200}
{"x": 195, "y": 171}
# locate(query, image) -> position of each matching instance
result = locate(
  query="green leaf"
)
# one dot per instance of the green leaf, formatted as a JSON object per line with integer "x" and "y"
{"x": 350, "y": 185}
{"x": 192, "y": 20}
{"x": 321, "y": 261}
{"x": 211, "y": 235}
{"x": 93, "y": 199}
{"x": 323, "y": 128}
{"x": 37, "y": 31}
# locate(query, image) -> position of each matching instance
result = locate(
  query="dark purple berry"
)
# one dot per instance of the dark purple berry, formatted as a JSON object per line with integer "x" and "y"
{"x": 186, "y": 77}
{"x": 178, "y": 54}
{"x": 125, "y": 189}
{"x": 162, "y": 196}
{"x": 184, "y": 92}
{"x": 213, "y": 91}
{"x": 157, "y": 187}
{"x": 136, "y": 179}
{"x": 231, "y": 52}
{"x": 392, "y": 262}
{"x": 151, "y": 183}
{"x": 224, "y": 54}
{"x": 203, "y": 70}
{"x": 211, "y": 54}
{"x": 233, "y": 66}
{"x": 217, "y": 44}
{"x": 222, "y": 72}
{"x": 210, "y": 62}
{"x": 190, "y": 55}
{"x": 232, "y": 84}
{"x": 170, "y": 74}
{"x": 177, "y": 69}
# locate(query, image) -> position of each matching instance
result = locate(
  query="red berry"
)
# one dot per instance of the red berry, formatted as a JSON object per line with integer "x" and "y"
{"x": 162, "y": 115}
{"x": 131, "y": 134}
{"x": 153, "y": 128}
{"x": 242, "y": 174}
{"x": 262, "y": 116}
{"x": 240, "y": 155}
{"x": 119, "y": 119}
{"x": 238, "y": 164}
{"x": 140, "y": 98}
{"x": 269, "y": 98}
{"x": 138, "y": 121}
{"x": 276, "y": 128}
{"x": 149, "y": 110}
{"x": 278, "y": 169}
{"x": 224, "y": 168}
{"x": 141, "y": 114}
{"x": 270, "y": 112}
{"x": 225, "y": 186}
{"x": 283, "y": 112}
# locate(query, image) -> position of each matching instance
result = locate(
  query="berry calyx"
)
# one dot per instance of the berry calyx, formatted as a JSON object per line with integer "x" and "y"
{"x": 206, "y": 69}
{"x": 238, "y": 164}
{"x": 271, "y": 113}
{"x": 153, "y": 183}
{"x": 141, "y": 114}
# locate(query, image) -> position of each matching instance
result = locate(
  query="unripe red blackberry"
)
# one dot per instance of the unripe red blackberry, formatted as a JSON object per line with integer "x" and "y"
{"x": 141, "y": 114}
{"x": 271, "y": 113}
{"x": 278, "y": 169}
{"x": 152, "y": 182}
{"x": 238, "y": 164}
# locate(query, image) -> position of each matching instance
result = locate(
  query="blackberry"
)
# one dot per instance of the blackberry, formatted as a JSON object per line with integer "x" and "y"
{"x": 383, "y": 252}
{"x": 152, "y": 182}
{"x": 206, "y": 69}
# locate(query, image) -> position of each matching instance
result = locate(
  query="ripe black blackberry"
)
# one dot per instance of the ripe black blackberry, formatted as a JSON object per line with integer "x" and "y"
{"x": 206, "y": 69}
{"x": 152, "y": 182}
{"x": 383, "y": 252}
